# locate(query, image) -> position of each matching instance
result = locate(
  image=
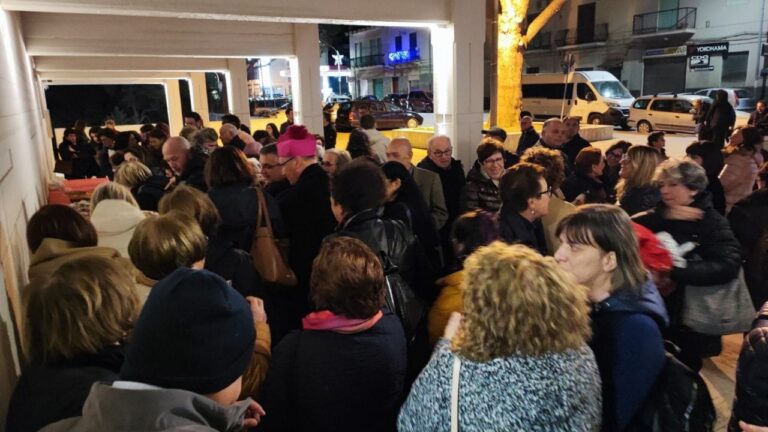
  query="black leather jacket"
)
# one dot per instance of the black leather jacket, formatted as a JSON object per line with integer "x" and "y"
{"x": 390, "y": 240}
{"x": 750, "y": 403}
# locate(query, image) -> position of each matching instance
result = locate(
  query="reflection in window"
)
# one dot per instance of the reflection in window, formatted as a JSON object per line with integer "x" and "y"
{"x": 216, "y": 91}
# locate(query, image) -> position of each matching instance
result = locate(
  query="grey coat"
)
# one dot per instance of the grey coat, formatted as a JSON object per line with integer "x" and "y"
{"x": 111, "y": 409}
{"x": 552, "y": 392}
{"x": 432, "y": 188}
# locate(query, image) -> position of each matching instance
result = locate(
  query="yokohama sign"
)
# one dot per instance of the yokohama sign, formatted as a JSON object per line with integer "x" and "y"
{"x": 713, "y": 48}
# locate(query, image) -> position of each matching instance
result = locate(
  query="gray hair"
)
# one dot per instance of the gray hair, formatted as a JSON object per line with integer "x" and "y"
{"x": 438, "y": 136}
{"x": 342, "y": 156}
{"x": 682, "y": 171}
{"x": 550, "y": 121}
{"x": 229, "y": 127}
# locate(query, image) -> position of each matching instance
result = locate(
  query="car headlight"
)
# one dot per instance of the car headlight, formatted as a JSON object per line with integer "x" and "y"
{"x": 612, "y": 104}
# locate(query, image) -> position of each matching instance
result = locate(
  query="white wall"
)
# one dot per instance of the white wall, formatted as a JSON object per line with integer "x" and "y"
{"x": 24, "y": 164}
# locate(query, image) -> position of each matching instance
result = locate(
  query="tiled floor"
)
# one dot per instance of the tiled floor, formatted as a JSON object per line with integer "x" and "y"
{"x": 720, "y": 374}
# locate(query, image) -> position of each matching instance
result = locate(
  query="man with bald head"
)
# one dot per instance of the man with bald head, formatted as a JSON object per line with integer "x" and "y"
{"x": 400, "y": 150}
{"x": 186, "y": 162}
{"x": 440, "y": 161}
{"x": 553, "y": 136}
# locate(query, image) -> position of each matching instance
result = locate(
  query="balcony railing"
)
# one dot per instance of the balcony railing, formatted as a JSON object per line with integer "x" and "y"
{"x": 369, "y": 60}
{"x": 582, "y": 35}
{"x": 541, "y": 41}
{"x": 664, "y": 21}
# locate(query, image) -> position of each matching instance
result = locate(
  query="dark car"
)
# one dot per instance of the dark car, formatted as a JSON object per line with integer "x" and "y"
{"x": 421, "y": 101}
{"x": 399, "y": 99}
{"x": 387, "y": 115}
{"x": 367, "y": 98}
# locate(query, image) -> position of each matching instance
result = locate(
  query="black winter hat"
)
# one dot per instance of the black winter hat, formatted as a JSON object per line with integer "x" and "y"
{"x": 194, "y": 333}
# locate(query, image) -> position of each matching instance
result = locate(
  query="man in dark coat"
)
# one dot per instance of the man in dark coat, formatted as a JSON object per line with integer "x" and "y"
{"x": 329, "y": 131}
{"x": 759, "y": 118}
{"x": 528, "y": 135}
{"x": 575, "y": 142}
{"x": 720, "y": 118}
{"x": 107, "y": 137}
{"x": 451, "y": 172}
{"x": 186, "y": 162}
{"x": 307, "y": 215}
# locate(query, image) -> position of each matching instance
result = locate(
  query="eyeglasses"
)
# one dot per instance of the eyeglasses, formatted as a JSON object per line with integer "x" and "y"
{"x": 269, "y": 166}
{"x": 438, "y": 153}
{"x": 393, "y": 155}
{"x": 493, "y": 161}
{"x": 281, "y": 164}
{"x": 548, "y": 192}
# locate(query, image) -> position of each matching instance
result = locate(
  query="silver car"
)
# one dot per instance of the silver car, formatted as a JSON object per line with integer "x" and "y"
{"x": 741, "y": 99}
{"x": 667, "y": 112}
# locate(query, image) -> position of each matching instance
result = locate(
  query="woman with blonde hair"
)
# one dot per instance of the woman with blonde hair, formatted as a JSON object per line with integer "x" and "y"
{"x": 600, "y": 250}
{"x": 145, "y": 186}
{"x": 76, "y": 323}
{"x": 115, "y": 214}
{"x": 515, "y": 366}
{"x": 636, "y": 191}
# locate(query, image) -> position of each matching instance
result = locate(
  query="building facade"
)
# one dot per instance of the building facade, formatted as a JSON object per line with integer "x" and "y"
{"x": 656, "y": 46}
{"x": 388, "y": 60}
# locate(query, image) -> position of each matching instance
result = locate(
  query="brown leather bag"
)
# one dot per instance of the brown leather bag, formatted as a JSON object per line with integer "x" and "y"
{"x": 267, "y": 259}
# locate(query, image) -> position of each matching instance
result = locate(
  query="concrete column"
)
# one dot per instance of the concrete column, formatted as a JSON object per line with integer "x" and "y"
{"x": 305, "y": 78}
{"x": 199, "y": 95}
{"x": 237, "y": 89}
{"x": 173, "y": 100}
{"x": 457, "y": 53}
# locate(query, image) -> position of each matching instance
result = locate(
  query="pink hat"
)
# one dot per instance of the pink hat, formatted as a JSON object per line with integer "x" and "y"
{"x": 296, "y": 142}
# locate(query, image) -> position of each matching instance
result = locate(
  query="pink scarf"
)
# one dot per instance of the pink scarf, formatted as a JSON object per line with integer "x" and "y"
{"x": 327, "y": 320}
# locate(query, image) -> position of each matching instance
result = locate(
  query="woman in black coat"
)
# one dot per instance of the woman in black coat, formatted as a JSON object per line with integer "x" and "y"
{"x": 636, "y": 192}
{"x": 230, "y": 179}
{"x": 686, "y": 213}
{"x": 709, "y": 156}
{"x": 405, "y": 202}
{"x": 750, "y": 404}
{"x": 345, "y": 369}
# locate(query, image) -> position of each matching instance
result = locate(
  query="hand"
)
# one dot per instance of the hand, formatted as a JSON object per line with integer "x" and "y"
{"x": 684, "y": 213}
{"x": 751, "y": 428}
{"x": 579, "y": 200}
{"x": 171, "y": 184}
{"x": 253, "y": 415}
{"x": 257, "y": 309}
{"x": 454, "y": 322}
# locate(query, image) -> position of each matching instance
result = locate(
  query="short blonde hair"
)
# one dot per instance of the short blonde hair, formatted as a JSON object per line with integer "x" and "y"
{"x": 517, "y": 302}
{"x": 88, "y": 304}
{"x": 162, "y": 244}
{"x": 132, "y": 173}
{"x": 195, "y": 203}
{"x": 112, "y": 190}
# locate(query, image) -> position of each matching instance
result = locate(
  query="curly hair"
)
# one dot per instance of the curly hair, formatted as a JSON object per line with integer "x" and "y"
{"x": 517, "y": 302}
{"x": 552, "y": 162}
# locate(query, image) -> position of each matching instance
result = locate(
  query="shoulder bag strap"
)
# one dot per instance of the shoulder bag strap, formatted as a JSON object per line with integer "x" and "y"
{"x": 263, "y": 211}
{"x": 455, "y": 394}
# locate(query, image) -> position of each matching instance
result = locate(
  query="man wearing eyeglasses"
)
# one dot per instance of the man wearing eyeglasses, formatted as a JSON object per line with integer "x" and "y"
{"x": 440, "y": 160}
{"x": 276, "y": 183}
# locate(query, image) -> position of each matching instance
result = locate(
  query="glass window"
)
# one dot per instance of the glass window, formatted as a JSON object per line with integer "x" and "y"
{"x": 216, "y": 90}
{"x": 735, "y": 69}
{"x": 413, "y": 42}
{"x": 398, "y": 43}
{"x": 682, "y": 106}
{"x": 582, "y": 90}
{"x": 662, "y": 105}
{"x": 641, "y": 104}
{"x": 612, "y": 89}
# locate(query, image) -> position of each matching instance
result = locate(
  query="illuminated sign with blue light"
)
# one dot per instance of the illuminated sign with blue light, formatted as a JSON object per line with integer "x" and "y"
{"x": 400, "y": 56}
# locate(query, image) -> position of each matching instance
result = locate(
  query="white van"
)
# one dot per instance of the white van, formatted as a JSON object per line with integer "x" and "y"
{"x": 596, "y": 97}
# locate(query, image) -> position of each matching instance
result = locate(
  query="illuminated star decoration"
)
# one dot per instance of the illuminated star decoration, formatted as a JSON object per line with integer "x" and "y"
{"x": 337, "y": 59}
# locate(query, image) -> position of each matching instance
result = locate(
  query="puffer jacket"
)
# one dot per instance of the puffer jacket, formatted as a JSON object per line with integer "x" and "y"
{"x": 639, "y": 199}
{"x": 480, "y": 193}
{"x": 629, "y": 349}
{"x": 749, "y": 221}
{"x": 716, "y": 259}
{"x": 750, "y": 403}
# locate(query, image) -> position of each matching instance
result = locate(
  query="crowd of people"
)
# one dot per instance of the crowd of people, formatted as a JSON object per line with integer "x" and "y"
{"x": 547, "y": 289}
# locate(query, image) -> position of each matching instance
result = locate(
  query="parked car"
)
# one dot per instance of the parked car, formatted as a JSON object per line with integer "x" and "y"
{"x": 399, "y": 99}
{"x": 669, "y": 112}
{"x": 368, "y": 98}
{"x": 740, "y": 98}
{"x": 335, "y": 98}
{"x": 421, "y": 101}
{"x": 387, "y": 115}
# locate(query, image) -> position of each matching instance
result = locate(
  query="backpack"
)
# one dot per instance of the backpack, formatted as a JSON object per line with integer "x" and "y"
{"x": 679, "y": 402}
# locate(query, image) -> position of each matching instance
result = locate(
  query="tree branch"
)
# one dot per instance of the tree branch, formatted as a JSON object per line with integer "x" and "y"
{"x": 541, "y": 20}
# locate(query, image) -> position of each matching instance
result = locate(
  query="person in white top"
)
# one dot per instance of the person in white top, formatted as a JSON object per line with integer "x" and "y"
{"x": 115, "y": 214}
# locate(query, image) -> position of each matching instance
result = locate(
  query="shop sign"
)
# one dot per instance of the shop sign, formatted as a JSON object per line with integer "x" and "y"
{"x": 711, "y": 48}
{"x": 669, "y": 51}
{"x": 400, "y": 56}
{"x": 699, "y": 61}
